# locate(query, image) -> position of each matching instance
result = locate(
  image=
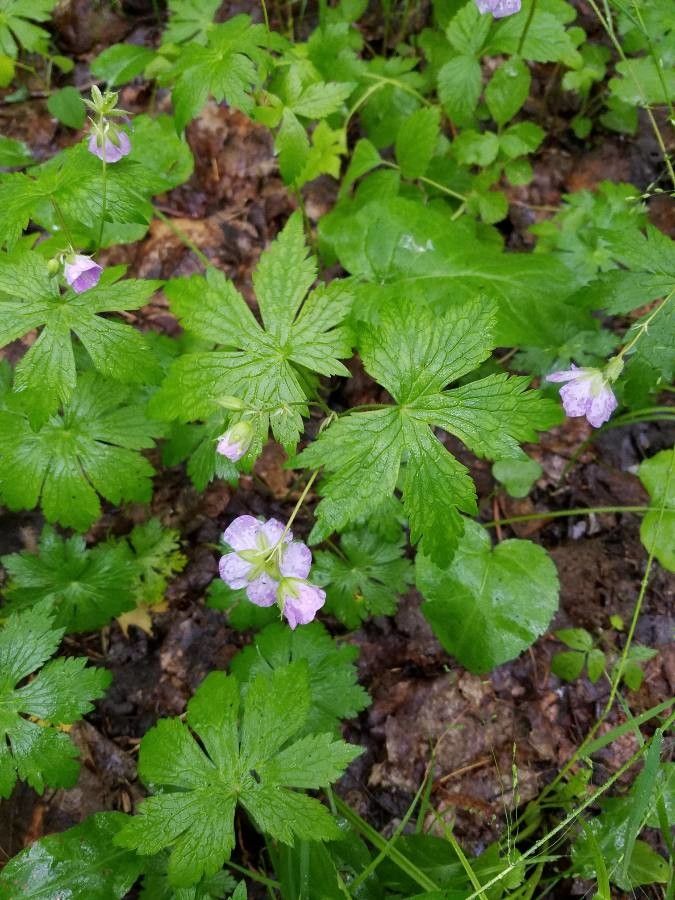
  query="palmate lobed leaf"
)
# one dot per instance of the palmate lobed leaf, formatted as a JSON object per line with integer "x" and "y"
{"x": 272, "y": 368}
{"x": 228, "y": 65}
{"x": 333, "y": 690}
{"x": 366, "y": 578}
{"x": 90, "y": 448}
{"x": 249, "y": 757}
{"x": 32, "y": 748}
{"x": 30, "y": 299}
{"x": 414, "y": 355}
{"x": 74, "y": 181}
{"x": 17, "y": 25}
{"x": 86, "y": 588}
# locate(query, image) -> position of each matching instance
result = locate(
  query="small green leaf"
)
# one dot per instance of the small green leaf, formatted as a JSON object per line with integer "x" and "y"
{"x": 33, "y": 746}
{"x": 86, "y": 588}
{"x": 366, "y": 578}
{"x": 474, "y": 149}
{"x": 517, "y": 475}
{"x": 568, "y": 665}
{"x": 468, "y": 30}
{"x": 508, "y": 89}
{"x": 595, "y": 664}
{"x": 490, "y": 604}
{"x": 520, "y": 139}
{"x": 67, "y": 106}
{"x": 632, "y": 675}
{"x": 14, "y": 154}
{"x": 364, "y": 158}
{"x": 121, "y": 63}
{"x": 459, "y": 87}
{"x": 416, "y": 142}
{"x": 657, "y": 530}
{"x": 575, "y": 638}
{"x": 7, "y": 70}
{"x": 519, "y": 171}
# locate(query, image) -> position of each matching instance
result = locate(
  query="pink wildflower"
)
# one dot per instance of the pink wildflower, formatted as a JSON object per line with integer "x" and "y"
{"x": 587, "y": 393}
{"x": 81, "y": 272}
{"x": 110, "y": 147}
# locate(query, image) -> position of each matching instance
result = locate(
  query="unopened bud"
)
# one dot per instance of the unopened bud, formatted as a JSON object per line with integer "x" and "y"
{"x": 227, "y": 401}
{"x": 234, "y": 443}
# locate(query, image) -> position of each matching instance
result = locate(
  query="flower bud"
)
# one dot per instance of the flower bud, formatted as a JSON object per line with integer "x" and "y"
{"x": 227, "y": 401}
{"x": 234, "y": 443}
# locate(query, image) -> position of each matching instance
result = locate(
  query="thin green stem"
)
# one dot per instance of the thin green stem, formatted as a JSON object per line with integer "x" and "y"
{"x": 265, "y": 16}
{"x": 608, "y": 25}
{"x": 643, "y": 327}
{"x": 204, "y": 260}
{"x": 434, "y": 184}
{"x": 253, "y": 875}
{"x": 296, "y": 509}
{"x": 526, "y": 28}
{"x": 562, "y": 513}
{"x": 618, "y": 671}
{"x": 104, "y": 200}
{"x": 380, "y": 82}
{"x": 62, "y": 222}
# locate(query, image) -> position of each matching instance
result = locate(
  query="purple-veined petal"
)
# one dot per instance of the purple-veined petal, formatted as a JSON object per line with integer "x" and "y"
{"x": 234, "y": 570}
{"x": 498, "y": 8}
{"x": 272, "y": 531}
{"x": 235, "y": 441}
{"x": 576, "y": 397}
{"x": 262, "y": 591}
{"x": 232, "y": 449}
{"x": 601, "y": 407}
{"x": 241, "y": 533}
{"x": 301, "y": 602}
{"x": 111, "y": 151}
{"x": 296, "y": 560}
{"x": 566, "y": 374}
{"x": 82, "y": 273}
{"x": 505, "y": 8}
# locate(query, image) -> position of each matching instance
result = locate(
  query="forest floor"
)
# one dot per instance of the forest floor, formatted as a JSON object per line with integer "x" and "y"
{"x": 521, "y": 718}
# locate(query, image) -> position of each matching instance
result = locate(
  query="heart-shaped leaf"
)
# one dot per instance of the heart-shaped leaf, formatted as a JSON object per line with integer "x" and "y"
{"x": 490, "y": 604}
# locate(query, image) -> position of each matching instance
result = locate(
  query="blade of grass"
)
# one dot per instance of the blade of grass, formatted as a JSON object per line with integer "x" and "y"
{"x": 642, "y": 791}
{"x": 373, "y": 837}
{"x": 604, "y": 891}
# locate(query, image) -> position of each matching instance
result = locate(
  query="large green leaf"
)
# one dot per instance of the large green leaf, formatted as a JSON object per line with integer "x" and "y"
{"x": 419, "y": 253}
{"x": 79, "y": 864}
{"x": 490, "y": 604}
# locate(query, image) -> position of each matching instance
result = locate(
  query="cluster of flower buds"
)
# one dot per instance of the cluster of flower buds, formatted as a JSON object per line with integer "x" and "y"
{"x": 107, "y": 140}
{"x": 272, "y": 567}
{"x": 588, "y": 391}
